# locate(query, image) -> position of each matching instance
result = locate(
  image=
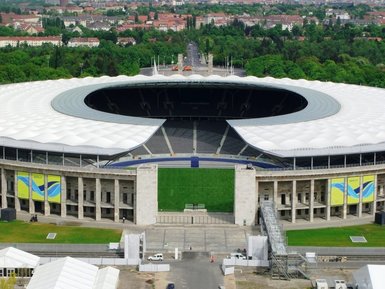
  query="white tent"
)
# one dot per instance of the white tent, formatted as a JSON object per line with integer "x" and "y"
{"x": 14, "y": 258}
{"x": 370, "y": 277}
{"x": 70, "y": 273}
{"x": 107, "y": 278}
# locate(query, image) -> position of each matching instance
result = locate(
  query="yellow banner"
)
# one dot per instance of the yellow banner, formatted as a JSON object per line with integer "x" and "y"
{"x": 23, "y": 185}
{"x": 38, "y": 187}
{"x": 54, "y": 189}
{"x": 337, "y": 187}
{"x": 354, "y": 184}
{"x": 368, "y": 189}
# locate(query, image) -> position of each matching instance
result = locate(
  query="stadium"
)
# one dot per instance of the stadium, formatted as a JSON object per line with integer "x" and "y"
{"x": 91, "y": 148}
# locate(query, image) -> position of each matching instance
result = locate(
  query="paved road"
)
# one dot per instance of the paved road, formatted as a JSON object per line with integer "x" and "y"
{"x": 195, "y": 271}
{"x": 225, "y": 239}
{"x": 192, "y": 55}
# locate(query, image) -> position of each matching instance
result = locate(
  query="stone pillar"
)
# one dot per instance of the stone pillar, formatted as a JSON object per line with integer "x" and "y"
{"x": 47, "y": 209}
{"x": 275, "y": 193}
{"x": 31, "y": 202}
{"x": 17, "y": 200}
{"x": 98, "y": 197}
{"x": 328, "y": 196}
{"x": 116, "y": 200}
{"x": 63, "y": 200}
{"x": 303, "y": 197}
{"x": 146, "y": 205}
{"x": 374, "y": 204}
{"x": 311, "y": 201}
{"x": 359, "y": 213}
{"x": 210, "y": 64}
{"x": 293, "y": 201}
{"x": 80, "y": 198}
{"x": 345, "y": 205}
{"x": 180, "y": 62}
{"x": 256, "y": 199}
{"x": 4, "y": 189}
{"x": 244, "y": 196}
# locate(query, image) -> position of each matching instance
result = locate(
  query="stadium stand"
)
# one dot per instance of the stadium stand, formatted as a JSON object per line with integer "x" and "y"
{"x": 233, "y": 144}
{"x": 180, "y": 135}
{"x": 209, "y": 135}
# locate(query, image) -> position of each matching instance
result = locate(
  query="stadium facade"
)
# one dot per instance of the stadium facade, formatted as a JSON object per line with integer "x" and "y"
{"x": 316, "y": 149}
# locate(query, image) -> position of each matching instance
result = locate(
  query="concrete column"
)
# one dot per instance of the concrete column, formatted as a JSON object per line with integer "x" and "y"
{"x": 293, "y": 201}
{"x": 303, "y": 197}
{"x": 116, "y": 200}
{"x": 256, "y": 198}
{"x": 98, "y": 197}
{"x": 275, "y": 193}
{"x": 80, "y": 198}
{"x": 4, "y": 189}
{"x": 374, "y": 204}
{"x": 146, "y": 205}
{"x": 328, "y": 196}
{"x": 63, "y": 200}
{"x": 345, "y": 205}
{"x": 47, "y": 209}
{"x": 244, "y": 196}
{"x": 17, "y": 200}
{"x": 31, "y": 202}
{"x": 359, "y": 208}
{"x": 311, "y": 201}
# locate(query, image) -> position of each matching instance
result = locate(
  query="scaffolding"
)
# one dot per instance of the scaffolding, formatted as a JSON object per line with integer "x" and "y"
{"x": 284, "y": 265}
{"x": 277, "y": 242}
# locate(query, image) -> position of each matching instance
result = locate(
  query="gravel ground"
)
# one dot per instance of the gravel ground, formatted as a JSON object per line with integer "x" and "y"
{"x": 244, "y": 278}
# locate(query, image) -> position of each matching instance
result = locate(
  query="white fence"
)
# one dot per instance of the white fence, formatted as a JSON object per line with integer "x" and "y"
{"x": 240, "y": 262}
{"x": 227, "y": 270}
{"x": 154, "y": 267}
{"x": 97, "y": 261}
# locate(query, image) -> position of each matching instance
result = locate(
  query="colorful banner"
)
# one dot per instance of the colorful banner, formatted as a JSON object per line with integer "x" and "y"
{"x": 23, "y": 185}
{"x": 368, "y": 189}
{"x": 354, "y": 184}
{"x": 54, "y": 189}
{"x": 337, "y": 187}
{"x": 38, "y": 187}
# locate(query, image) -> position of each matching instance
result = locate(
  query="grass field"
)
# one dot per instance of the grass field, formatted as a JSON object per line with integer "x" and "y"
{"x": 212, "y": 187}
{"x": 338, "y": 237}
{"x": 21, "y": 232}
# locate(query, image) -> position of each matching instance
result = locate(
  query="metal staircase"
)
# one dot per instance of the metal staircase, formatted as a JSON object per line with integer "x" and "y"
{"x": 284, "y": 265}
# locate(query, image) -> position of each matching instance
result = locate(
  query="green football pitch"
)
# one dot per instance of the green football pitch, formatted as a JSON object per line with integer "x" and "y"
{"x": 338, "y": 237}
{"x": 22, "y": 232}
{"x": 212, "y": 187}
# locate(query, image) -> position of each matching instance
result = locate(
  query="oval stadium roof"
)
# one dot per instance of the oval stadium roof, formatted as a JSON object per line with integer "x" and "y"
{"x": 51, "y": 115}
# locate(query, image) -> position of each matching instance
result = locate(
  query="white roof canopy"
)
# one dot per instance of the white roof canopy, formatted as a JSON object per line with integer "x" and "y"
{"x": 70, "y": 273}
{"x": 370, "y": 277}
{"x": 342, "y": 119}
{"x": 14, "y": 258}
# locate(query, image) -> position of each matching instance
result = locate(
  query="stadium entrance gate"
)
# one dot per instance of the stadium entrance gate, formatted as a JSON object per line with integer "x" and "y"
{"x": 198, "y": 218}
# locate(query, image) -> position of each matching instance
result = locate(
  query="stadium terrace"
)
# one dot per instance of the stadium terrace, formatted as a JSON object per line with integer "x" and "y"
{"x": 316, "y": 149}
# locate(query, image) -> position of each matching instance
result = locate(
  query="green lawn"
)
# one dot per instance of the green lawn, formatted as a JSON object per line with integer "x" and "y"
{"x": 212, "y": 187}
{"x": 22, "y": 232}
{"x": 338, "y": 237}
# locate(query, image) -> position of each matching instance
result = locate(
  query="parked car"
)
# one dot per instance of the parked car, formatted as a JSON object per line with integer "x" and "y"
{"x": 156, "y": 257}
{"x": 237, "y": 256}
{"x": 170, "y": 286}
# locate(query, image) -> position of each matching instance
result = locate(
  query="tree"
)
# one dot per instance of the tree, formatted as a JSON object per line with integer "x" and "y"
{"x": 8, "y": 283}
